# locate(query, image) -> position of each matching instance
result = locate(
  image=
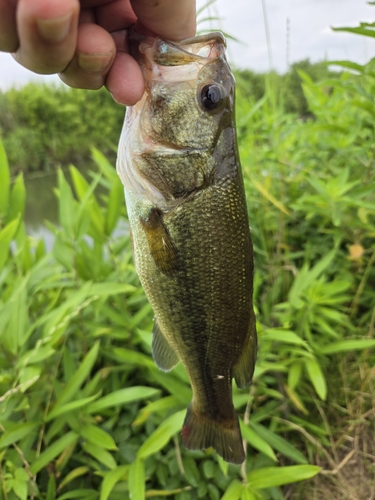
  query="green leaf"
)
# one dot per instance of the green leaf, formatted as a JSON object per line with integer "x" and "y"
{"x": 15, "y": 334}
{"x": 6, "y": 236}
{"x": 317, "y": 378}
{"x": 51, "y": 489}
{"x": 4, "y": 182}
{"x": 52, "y": 451}
{"x": 133, "y": 357}
{"x": 122, "y": 397}
{"x": 233, "y": 492}
{"x": 160, "y": 437}
{"x": 349, "y": 65}
{"x": 73, "y": 405}
{"x": 115, "y": 204}
{"x": 294, "y": 374}
{"x": 208, "y": 469}
{"x": 169, "y": 493}
{"x": 88, "y": 201}
{"x": 137, "y": 480}
{"x": 57, "y": 320}
{"x": 160, "y": 405}
{"x": 268, "y": 477}
{"x": 348, "y": 345}
{"x": 84, "y": 493}
{"x": 21, "y": 475}
{"x": 191, "y": 471}
{"x": 224, "y": 466}
{"x": 249, "y": 494}
{"x": 173, "y": 385}
{"x": 101, "y": 455}
{"x": 17, "y": 199}
{"x": 16, "y": 315}
{"x": 20, "y": 489}
{"x": 78, "y": 472}
{"x": 104, "y": 165}
{"x": 360, "y": 30}
{"x": 66, "y": 206}
{"x": 97, "y": 436}
{"x": 307, "y": 276}
{"x": 79, "y": 377}
{"x": 35, "y": 355}
{"x": 111, "y": 478}
{"x": 89, "y": 209}
{"x": 278, "y": 443}
{"x": 257, "y": 442}
{"x": 63, "y": 252}
{"x": 16, "y": 432}
{"x": 111, "y": 288}
{"x": 285, "y": 336}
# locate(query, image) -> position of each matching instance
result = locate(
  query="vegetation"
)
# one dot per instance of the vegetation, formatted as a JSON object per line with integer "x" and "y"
{"x": 84, "y": 412}
{"x": 44, "y": 127}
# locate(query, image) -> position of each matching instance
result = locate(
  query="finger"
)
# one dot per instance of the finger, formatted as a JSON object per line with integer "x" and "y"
{"x": 48, "y": 34}
{"x": 125, "y": 80}
{"x": 94, "y": 56}
{"x": 117, "y": 15}
{"x": 87, "y": 16}
{"x": 171, "y": 19}
{"x": 8, "y": 27}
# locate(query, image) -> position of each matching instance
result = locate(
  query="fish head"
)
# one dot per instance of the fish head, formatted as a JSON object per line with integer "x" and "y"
{"x": 170, "y": 137}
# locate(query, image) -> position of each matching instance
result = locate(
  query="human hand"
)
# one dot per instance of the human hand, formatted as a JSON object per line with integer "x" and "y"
{"x": 85, "y": 41}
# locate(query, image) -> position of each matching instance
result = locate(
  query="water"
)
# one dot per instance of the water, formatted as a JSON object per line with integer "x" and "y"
{"x": 42, "y": 206}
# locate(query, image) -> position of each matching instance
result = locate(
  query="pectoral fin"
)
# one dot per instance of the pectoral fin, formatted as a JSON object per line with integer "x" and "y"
{"x": 160, "y": 243}
{"x": 164, "y": 355}
{"x": 244, "y": 368}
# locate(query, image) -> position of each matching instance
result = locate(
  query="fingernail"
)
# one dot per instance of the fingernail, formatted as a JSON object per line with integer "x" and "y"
{"x": 54, "y": 30}
{"x": 94, "y": 63}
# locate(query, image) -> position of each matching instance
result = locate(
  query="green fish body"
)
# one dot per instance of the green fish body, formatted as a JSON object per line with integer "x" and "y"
{"x": 192, "y": 248}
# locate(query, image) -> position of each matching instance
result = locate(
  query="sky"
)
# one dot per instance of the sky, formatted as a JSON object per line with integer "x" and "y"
{"x": 310, "y": 35}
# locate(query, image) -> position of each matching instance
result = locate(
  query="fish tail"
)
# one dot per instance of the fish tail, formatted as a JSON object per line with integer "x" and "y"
{"x": 202, "y": 431}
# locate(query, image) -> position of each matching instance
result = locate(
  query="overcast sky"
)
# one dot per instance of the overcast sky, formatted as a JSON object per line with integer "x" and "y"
{"x": 310, "y": 34}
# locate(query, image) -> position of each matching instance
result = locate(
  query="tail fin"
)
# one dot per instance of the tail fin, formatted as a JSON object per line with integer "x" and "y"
{"x": 200, "y": 432}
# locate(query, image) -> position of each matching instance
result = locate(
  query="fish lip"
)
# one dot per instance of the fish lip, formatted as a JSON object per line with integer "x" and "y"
{"x": 208, "y": 47}
{"x": 208, "y": 37}
{"x": 134, "y": 36}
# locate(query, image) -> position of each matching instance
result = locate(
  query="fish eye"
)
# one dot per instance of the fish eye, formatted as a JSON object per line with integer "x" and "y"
{"x": 212, "y": 96}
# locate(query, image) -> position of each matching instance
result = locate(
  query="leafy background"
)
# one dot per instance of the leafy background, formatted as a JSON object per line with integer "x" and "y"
{"x": 84, "y": 412}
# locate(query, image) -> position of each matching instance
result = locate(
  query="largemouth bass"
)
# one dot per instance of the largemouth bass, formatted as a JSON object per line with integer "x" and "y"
{"x": 192, "y": 248}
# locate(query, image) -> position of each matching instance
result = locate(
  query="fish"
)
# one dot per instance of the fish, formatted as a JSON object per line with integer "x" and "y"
{"x": 192, "y": 248}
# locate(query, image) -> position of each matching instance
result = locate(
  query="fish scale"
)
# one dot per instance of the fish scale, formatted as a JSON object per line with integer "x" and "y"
{"x": 191, "y": 240}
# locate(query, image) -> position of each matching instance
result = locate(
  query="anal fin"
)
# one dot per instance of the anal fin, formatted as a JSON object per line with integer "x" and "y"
{"x": 164, "y": 355}
{"x": 244, "y": 367}
{"x": 162, "y": 249}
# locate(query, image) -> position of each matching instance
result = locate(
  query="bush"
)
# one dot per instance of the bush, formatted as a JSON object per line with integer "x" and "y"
{"x": 44, "y": 127}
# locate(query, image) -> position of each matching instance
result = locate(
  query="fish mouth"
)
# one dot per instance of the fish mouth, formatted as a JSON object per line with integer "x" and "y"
{"x": 168, "y": 53}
